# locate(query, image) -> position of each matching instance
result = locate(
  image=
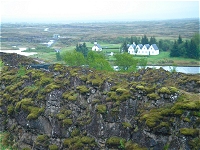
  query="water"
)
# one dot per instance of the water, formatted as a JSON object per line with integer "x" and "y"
{"x": 183, "y": 69}
{"x": 20, "y": 52}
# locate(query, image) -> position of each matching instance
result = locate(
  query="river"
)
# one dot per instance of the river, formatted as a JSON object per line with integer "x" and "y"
{"x": 20, "y": 52}
{"x": 183, "y": 69}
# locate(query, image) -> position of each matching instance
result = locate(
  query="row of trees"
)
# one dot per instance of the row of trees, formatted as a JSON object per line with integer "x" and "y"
{"x": 187, "y": 49}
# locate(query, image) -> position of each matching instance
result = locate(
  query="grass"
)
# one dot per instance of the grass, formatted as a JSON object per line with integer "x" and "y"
{"x": 164, "y": 59}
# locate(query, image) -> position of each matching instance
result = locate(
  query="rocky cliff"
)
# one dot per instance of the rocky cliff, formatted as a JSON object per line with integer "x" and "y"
{"x": 80, "y": 108}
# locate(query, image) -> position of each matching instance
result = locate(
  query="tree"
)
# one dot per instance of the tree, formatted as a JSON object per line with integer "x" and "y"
{"x": 144, "y": 40}
{"x": 152, "y": 40}
{"x": 174, "y": 51}
{"x": 126, "y": 62}
{"x": 97, "y": 61}
{"x": 58, "y": 56}
{"x": 73, "y": 58}
{"x": 124, "y": 47}
{"x": 179, "y": 40}
{"x": 82, "y": 48}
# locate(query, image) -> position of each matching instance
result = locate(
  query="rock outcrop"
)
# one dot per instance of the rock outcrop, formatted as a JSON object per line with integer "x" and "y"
{"x": 80, "y": 108}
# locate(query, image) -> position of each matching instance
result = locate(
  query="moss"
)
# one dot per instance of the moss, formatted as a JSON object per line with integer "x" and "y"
{"x": 10, "y": 109}
{"x": 67, "y": 122}
{"x": 101, "y": 109}
{"x": 97, "y": 82}
{"x": 189, "y": 132}
{"x": 186, "y": 119}
{"x": 23, "y": 103}
{"x": 149, "y": 90}
{"x": 30, "y": 91}
{"x": 83, "y": 89}
{"x": 75, "y": 132}
{"x": 87, "y": 140}
{"x": 34, "y": 112}
{"x": 95, "y": 101}
{"x": 164, "y": 90}
{"x": 188, "y": 105}
{"x": 126, "y": 125}
{"x": 133, "y": 146}
{"x": 153, "y": 96}
{"x": 71, "y": 96}
{"x": 115, "y": 142}
{"x": 140, "y": 87}
{"x": 83, "y": 78}
{"x": 173, "y": 90}
{"x": 50, "y": 87}
{"x": 42, "y": 140}
{"x": 45, "y": 80}
{"x": 53, "y": 147}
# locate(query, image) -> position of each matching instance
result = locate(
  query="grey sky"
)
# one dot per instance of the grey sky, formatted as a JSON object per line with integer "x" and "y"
{"x": 96, "y": 10}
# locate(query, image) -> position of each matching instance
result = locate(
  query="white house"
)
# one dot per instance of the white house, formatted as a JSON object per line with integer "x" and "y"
{"x": 153, "y": 49}
{"x": 96, "y": 47}
{"x": 143, "y": 50}
{"x": 132, "y": 48}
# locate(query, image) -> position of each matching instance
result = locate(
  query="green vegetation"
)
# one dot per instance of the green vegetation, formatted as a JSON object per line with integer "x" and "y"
{"x": 101, "y": 109}
{"x": 53, "y": 147}
{"x": 42, "y": 140}
{"x": 189, "y": 132}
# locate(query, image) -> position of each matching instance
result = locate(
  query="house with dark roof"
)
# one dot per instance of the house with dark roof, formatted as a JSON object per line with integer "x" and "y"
{"x": 143, "y": 49}
{"x": 96, "y": 47}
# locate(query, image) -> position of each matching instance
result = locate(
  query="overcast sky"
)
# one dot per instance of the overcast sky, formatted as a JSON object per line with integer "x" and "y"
{"x": 96, "y": 10}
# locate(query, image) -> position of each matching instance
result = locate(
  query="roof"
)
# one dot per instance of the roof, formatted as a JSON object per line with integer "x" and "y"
{"x": 133, "y": 45}
{"x": 155, "y": 46}
{"x": 98, "y": 46}
{"x": 140, "y": 45}
{"x": 147, "y": 46}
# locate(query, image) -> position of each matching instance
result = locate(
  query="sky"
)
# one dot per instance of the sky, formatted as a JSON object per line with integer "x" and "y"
{"x": 95, "y": 10}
